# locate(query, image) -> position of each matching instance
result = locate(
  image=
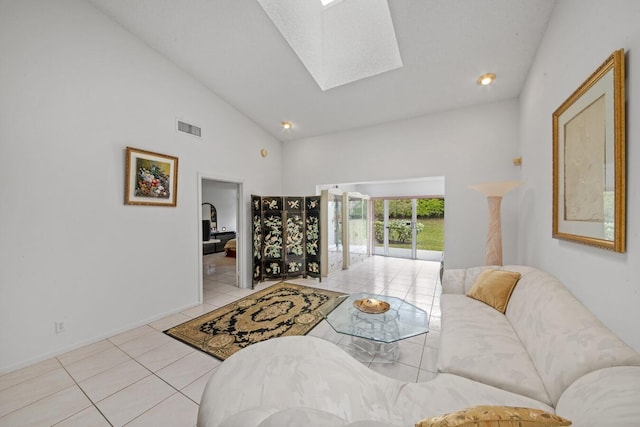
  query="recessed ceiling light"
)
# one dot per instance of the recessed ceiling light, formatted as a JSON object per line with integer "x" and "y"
{"x": 486, "y": 79}
{"x": 286, "y": 125}
{"x": 327, "y": 2}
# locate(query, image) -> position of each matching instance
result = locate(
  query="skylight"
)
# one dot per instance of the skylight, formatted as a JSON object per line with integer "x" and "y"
{"x": 338, "y": 41}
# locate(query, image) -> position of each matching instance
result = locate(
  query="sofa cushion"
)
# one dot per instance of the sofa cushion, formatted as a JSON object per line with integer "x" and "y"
{"x": 309, "y": 417}
{"x": 460, "y": 280}
{"x": 453, "y": 281}
{"x": 494, "y": 287}
{"x": 298, "y": 416}
{"x": 449, "y": 393}
{"x": 309, "y": 372}
{"x": 563, "y": 339}
{"x": 607, "y": 397}
{"x": 478, "y": 342}
{"x": 296, "y": 371}
{"x": 247, "y": 417}
{"x": 498, "y": 416}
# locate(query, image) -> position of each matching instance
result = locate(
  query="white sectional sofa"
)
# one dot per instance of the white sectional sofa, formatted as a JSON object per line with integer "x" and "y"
{"x": 546, "y": 346}
{"x": 546, "y": 352}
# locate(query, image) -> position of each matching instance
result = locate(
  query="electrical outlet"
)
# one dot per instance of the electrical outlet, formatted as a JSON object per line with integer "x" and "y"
{"x": 61, "y": 326}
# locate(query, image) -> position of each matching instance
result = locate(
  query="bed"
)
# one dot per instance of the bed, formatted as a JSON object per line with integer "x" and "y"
{"x": 230, "y": 248}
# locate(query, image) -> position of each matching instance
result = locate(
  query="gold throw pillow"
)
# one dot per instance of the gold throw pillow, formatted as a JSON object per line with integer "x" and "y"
{"x": 494, "y": 287}
{"x": 495, "y": 416}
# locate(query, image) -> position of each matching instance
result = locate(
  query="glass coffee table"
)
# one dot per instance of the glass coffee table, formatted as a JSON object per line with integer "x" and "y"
{"x": 376, "y": 323}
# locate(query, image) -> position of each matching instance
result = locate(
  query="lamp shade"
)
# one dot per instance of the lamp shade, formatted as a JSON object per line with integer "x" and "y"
{"x": 496, "y": 189}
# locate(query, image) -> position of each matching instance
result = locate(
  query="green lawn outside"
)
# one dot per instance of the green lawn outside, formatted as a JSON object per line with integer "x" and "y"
{"x": 430, "y": 238}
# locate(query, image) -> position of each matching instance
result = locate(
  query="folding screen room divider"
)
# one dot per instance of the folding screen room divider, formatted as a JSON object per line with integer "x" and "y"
{"x": 286, "y": 237}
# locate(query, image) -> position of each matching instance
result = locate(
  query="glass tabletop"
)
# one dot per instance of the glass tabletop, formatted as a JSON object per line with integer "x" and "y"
{"x": 400, "y": 320}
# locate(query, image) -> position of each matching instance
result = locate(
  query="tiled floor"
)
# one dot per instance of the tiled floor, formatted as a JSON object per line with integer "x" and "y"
{"x": 145, "y": 378}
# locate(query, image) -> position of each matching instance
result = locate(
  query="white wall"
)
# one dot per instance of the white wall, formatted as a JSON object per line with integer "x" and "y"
{"x": 466, "y": 146}
{"x": 75, "y": 90}
{"x": 580, "y": 36}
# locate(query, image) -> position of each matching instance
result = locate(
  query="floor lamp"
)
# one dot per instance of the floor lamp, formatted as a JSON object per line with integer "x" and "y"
{"x": 494, "y": 192}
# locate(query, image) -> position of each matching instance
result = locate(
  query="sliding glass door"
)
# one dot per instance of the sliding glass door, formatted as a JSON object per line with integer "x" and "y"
{"x": 358, "y": 228}
{"x": 409, "y": 228}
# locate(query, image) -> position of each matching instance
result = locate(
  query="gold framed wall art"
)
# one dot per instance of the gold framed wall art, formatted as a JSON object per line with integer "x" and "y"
{"x": 589, "y": 165}
{"x": 151, "y": 178}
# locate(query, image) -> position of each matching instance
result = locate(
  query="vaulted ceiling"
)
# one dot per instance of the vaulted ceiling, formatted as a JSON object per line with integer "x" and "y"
{"x": 234, "y": 48}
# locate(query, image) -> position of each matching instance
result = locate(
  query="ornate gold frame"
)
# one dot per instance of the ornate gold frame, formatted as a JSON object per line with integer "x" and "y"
{"x": 168, "y": 174}
{"x": 589, "y": 129}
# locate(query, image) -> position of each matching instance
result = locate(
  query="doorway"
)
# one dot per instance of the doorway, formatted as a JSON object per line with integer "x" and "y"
{"x": 410, "y": 228}
{"x": 221, "y": 248}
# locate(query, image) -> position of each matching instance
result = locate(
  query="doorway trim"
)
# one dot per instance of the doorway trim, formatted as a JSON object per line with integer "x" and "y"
{"x": 241, "y": 259}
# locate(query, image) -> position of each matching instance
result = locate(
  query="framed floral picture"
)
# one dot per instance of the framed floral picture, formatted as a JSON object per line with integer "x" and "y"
{"x": 151, "y": 178}
{"x": 589, "y": 165}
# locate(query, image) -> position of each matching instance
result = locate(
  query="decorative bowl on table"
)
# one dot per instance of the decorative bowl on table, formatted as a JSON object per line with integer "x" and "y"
{"x": 371, "y": 305}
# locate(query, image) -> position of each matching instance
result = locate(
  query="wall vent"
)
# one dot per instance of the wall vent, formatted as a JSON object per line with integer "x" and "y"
{"x": 190, "y": 129}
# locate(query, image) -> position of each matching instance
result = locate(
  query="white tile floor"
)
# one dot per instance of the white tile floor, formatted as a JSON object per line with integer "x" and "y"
{"x": 145, "y": 378}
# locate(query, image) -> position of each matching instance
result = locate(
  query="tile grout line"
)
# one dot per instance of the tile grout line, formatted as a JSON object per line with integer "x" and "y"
{"x": 363, "y": 274}
{"x": 86, "y": 395}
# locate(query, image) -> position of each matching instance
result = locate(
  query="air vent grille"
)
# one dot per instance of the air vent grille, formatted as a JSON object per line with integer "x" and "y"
{"x": 190, "y": 129}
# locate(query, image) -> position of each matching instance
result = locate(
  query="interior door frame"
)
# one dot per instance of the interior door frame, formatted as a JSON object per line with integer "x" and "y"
{"x": 242, "y": 273}
{"x": 414, "y": 231}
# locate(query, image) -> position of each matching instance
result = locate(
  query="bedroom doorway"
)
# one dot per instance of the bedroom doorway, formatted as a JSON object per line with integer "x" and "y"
{"x": 220, "y": 231}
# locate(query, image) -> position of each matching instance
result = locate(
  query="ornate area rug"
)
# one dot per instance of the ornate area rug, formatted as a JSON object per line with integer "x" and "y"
{"x": 279, "y": 310}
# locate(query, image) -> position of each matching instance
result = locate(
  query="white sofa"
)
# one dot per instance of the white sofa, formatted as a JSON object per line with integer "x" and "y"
{"x": 546, "y": 352}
